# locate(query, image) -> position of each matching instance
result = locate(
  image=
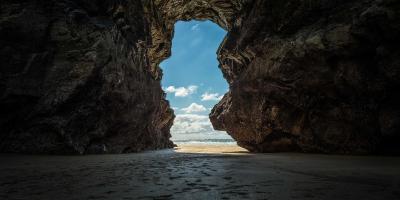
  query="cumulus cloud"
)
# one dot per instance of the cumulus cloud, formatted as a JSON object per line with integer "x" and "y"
{"x": 195, "y": 27}
{"x": 181, "y": 91}
{"x": 194, "y": 126}
{"x": 193, "y": 108}
{"x": 191, "y": 123}
{"x": 211, "y": 97}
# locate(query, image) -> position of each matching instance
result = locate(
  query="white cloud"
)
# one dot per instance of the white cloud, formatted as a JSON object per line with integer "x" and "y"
{"x": 194, "y": 107}
{"x": 211, "y": 97}
{"x": 181, "y": 91}
{"x": 194, "y": 126}
{"x": 195, "y": 27}
{"x": 191, "y": 123}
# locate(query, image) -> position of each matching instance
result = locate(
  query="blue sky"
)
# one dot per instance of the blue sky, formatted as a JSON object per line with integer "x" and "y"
{"x": 192, "y": 79}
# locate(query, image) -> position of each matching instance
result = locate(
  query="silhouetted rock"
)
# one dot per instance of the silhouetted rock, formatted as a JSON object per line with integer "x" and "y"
{"x": 80, "y": 76}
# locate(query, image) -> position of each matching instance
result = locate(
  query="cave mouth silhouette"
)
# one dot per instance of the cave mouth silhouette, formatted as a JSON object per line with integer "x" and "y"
{"x": 88, "y": 80}
{"x": 193, "y": 82}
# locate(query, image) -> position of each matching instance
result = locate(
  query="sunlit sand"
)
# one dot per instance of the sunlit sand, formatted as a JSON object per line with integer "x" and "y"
{"x": 210, "y": 148}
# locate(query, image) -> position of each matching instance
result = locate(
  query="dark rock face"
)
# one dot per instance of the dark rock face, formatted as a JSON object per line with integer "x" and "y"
{"x": 80, "y": 76}
{"x": 74, "y": 79}
{"x": 313, "y": 76}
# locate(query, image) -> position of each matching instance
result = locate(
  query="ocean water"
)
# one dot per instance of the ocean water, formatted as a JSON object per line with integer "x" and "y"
{"x": 206, "y": 142}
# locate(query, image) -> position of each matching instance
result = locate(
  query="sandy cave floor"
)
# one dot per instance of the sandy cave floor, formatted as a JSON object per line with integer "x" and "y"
{"x": 199, "y": 172}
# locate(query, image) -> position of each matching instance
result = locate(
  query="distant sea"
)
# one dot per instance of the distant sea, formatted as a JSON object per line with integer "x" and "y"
{"x": 207, "y": 142}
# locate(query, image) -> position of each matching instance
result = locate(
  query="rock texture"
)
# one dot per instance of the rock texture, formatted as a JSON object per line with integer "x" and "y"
{"x": 75, "y": 79}
{"x": 313, "y": 76}
{"x": 162, "y": 15}
{"x": 82, "y": 76}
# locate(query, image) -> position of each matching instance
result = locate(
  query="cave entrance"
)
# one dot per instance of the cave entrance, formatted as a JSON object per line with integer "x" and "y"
{"x": 194, "y": 83}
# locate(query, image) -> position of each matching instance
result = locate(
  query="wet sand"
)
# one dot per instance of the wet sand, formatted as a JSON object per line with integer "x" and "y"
{"x": 199, "y": 172}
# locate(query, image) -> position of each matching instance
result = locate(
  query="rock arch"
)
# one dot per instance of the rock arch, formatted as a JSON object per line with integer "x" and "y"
{"x": 309, "y": 76}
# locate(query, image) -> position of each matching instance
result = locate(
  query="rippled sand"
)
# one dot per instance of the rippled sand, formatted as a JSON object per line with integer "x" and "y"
{"x": 199, "y": 172}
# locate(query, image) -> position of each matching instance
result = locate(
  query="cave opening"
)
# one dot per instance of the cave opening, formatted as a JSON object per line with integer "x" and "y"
{"x": 194, "y": 83}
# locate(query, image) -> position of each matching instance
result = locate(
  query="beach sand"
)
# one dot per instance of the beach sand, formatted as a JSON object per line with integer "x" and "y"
{"x": 199, "y": 172}
{"x": 207, "y": 148}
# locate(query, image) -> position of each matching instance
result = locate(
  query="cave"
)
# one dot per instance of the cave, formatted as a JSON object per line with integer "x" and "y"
{"x": 83, "y": 76}
{"x": 306, "y": 78}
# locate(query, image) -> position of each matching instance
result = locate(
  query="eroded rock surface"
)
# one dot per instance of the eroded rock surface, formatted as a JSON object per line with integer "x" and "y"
{"x": 80, "y": 76}
{"x": 313, "y": 76}
{"x": 74, "y": 79}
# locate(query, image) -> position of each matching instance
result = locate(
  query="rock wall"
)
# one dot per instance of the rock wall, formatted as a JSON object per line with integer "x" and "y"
{"x": 313, "y": 76}
{"x": 75, "y": 79}
{"x": 82, "y": 76}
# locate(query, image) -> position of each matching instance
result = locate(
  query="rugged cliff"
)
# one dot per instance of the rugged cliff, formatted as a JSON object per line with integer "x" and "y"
{"x": 75, "y": 79}
{"x": 82, "y": 76}
{"x": 313, "y": 76}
